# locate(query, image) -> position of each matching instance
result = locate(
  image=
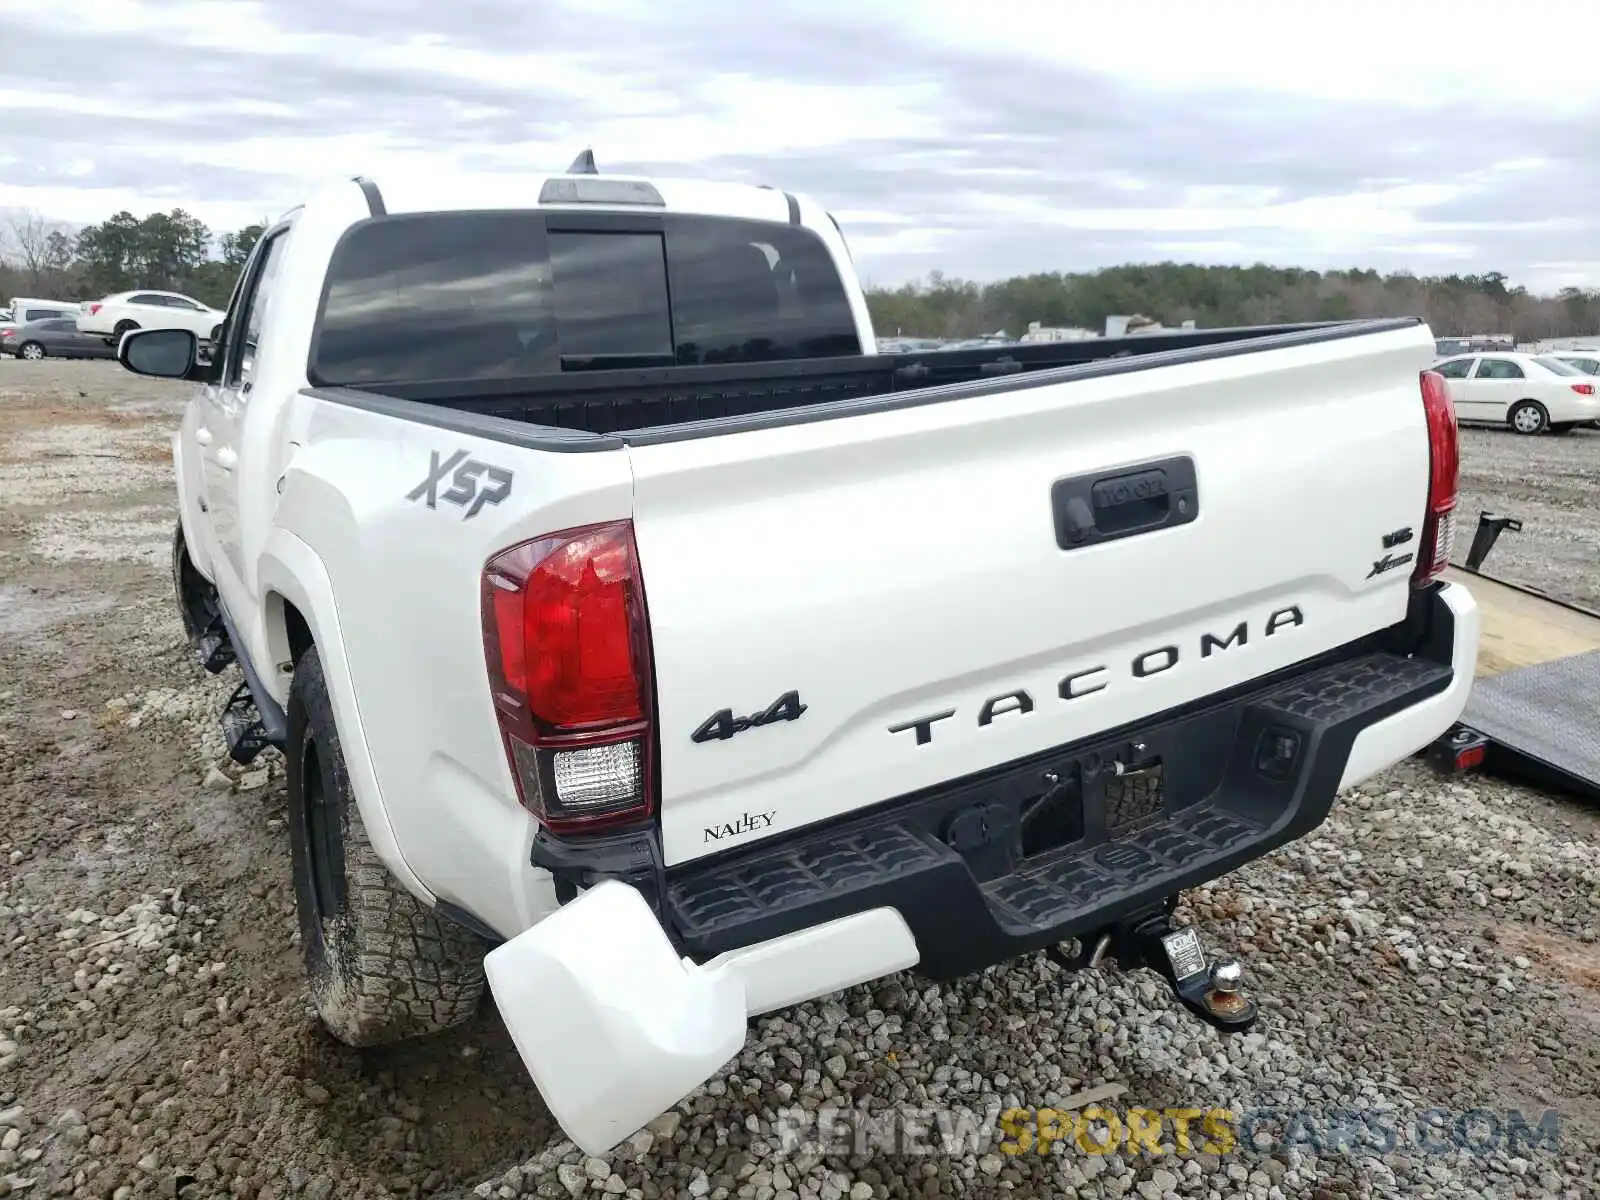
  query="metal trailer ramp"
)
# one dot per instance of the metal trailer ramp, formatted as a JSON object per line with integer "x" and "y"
{"x": 1543, "y": 723}
{"x": 1536, "y": 702}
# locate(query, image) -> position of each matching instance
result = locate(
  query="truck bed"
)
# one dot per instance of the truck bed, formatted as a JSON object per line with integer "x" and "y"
{"x": 661, "y": 402}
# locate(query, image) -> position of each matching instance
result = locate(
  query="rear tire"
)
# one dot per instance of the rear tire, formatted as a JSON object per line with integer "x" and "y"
{"x": 1528, "y": 417}
{"x": 381, "y": 965}
{"x": 32, "y": 351}
{"x": 198, "y": 606}
{"x": 122, "y": 327}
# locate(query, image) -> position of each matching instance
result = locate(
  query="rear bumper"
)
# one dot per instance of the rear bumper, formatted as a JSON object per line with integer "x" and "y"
{"x": 657, "y": 971}
{"x": 947, "y": 861}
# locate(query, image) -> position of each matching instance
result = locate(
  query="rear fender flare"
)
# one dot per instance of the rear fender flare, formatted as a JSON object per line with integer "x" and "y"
{"x": 290, "y": 570}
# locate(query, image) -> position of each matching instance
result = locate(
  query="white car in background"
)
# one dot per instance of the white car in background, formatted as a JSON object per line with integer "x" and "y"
{"x": 1531, "y": 393}
{"x": 115, "y": 315}
{"x": 1587, "y": 361}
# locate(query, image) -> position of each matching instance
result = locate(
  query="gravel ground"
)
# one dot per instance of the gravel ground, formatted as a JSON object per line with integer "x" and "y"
{"x": 1552, "y": 485}
{"x": 1430, "y": 952}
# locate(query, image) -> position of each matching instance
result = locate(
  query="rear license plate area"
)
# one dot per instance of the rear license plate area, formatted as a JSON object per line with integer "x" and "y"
{"x": 1104, "y": 795}
{"x": 1134, "y": 798}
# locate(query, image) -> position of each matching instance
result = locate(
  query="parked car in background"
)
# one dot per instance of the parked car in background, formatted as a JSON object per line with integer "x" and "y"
{"x": 1531, "y": 393}
{"x": 23, "y": 309}
{"x": 1492, "y": 343}
{"x": 1587, "y": 361}
{"x": 57, "y": 337}
{"x": 115, "y": 315}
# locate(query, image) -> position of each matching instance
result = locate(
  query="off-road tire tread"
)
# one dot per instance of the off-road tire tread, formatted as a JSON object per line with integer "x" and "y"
{"x": 388, "y": 968}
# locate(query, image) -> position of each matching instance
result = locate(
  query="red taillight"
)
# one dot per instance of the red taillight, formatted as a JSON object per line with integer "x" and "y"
{"x": 567, "y": 639}
{"x": 1583, "y": 389}
{"x": 1444, "y": 472}
{"x": 93, "y": 308}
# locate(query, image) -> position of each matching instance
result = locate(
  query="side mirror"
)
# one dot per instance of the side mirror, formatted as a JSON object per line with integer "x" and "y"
{"x": 164, "y": 353}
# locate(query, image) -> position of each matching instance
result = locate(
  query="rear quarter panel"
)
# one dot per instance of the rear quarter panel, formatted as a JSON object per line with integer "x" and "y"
{"x": 405, "y": 582}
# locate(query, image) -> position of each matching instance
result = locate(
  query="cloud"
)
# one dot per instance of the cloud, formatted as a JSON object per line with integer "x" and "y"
{"x": 984, "y": 141}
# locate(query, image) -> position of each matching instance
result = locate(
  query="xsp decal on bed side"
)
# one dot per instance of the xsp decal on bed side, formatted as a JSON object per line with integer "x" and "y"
{"x": 465, "y": 488}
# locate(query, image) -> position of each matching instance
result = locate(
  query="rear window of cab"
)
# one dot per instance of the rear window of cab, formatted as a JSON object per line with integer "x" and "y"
{"x": 494, "y": 295}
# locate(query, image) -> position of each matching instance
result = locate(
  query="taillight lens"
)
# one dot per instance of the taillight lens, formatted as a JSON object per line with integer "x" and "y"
{"x": 1444, "y": 473}
{"x": 1583, "y": 389}
{"x": 567, "y": 638}
{"x": 93, "y": 308}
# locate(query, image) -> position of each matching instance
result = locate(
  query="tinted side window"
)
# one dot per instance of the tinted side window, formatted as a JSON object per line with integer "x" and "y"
{"x": 438, "y": 296}
{"x": 610, "y": 300}
{"x": 241, "y": 359}
{"x": 1499, "y": 368}
{"x": 1456, "y": 369}
{"x": 41, "y": 314}
{"x": 145, "y": 298}
{"x": 750, "y": 291}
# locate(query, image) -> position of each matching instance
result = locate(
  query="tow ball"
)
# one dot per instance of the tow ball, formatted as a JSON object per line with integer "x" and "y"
{"x": 1212, "y": 989}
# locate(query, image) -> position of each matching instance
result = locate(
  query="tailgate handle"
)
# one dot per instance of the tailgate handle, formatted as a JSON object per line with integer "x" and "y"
{"x": 1089, "y": 509}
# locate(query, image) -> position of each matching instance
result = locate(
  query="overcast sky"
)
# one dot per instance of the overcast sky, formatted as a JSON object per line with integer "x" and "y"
{"x": 985, "y": 138}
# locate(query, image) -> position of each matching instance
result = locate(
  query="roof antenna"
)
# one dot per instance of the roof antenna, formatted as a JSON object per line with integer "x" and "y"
{"x": 584, "y": 164}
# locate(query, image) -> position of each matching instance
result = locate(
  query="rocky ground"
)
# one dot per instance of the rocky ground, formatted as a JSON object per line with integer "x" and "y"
{"x": 1428, "y": 960}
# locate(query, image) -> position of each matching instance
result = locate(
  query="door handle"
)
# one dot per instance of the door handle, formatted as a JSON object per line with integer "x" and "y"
{"x": 1089, "y": 509}
{"x": 227, "y": 459}
{"x": 203, "y": 436}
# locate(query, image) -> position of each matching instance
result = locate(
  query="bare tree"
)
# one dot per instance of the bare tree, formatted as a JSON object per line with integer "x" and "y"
{"x": 31, "y": 235}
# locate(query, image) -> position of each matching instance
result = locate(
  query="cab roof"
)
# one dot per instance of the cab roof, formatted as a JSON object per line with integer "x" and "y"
{"x": 584, "y": 188}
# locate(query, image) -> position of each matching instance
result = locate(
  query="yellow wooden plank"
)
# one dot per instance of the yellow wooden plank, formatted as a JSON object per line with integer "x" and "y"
{"x": 1520, "y": 629}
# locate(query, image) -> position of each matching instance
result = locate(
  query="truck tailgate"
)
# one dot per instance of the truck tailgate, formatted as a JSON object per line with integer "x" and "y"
{"x": 849, "y": 610}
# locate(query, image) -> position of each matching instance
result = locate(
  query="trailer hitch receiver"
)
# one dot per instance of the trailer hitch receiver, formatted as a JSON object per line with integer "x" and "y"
{"x": 1212, "y": 989}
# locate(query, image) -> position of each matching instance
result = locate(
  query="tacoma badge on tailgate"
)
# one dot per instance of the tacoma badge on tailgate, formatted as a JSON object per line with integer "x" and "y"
{"x": 1155, "y": 661}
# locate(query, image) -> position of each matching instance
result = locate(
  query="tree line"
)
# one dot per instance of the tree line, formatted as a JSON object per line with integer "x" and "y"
{"x": 1214, "y": 296}
{"x": 175, "y": 251}
{"x": 165, "y": 251}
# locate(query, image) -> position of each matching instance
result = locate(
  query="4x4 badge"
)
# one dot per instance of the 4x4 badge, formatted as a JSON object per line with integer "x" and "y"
{"x": 722, "y": 725}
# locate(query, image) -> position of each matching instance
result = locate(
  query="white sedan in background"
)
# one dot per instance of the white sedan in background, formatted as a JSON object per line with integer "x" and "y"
{"x": 1530, "y": 393}
{"x": 114, "y": 316}
{"x": 1587, "y": 361}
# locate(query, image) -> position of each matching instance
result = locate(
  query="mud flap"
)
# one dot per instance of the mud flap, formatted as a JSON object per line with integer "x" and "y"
{"x": 611, "y": 1024}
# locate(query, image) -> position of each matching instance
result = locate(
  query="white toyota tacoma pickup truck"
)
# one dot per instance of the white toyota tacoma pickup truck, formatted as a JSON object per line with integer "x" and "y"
{"x": 644, "y": 646}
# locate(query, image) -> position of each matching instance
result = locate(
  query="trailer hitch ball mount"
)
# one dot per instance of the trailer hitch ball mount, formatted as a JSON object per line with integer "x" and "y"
{"x": 1210, "y": 988}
